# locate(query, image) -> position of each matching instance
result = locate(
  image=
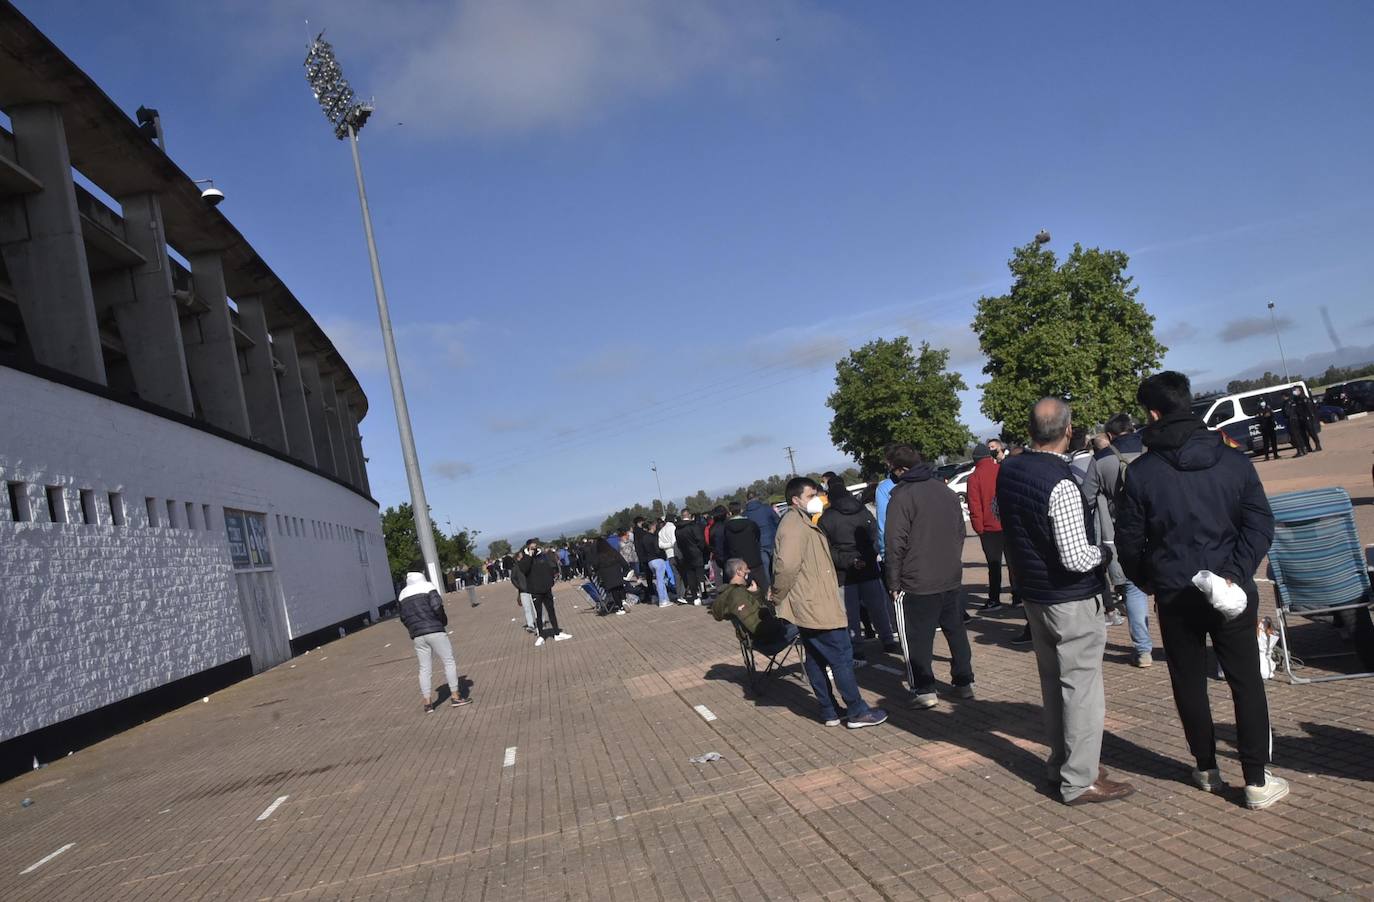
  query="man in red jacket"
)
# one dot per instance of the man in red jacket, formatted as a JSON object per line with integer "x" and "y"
{"x": 982, "y": 489}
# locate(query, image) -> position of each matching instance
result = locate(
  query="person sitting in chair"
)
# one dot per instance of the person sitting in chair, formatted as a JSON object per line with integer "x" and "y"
{"x": 742, "y": 600}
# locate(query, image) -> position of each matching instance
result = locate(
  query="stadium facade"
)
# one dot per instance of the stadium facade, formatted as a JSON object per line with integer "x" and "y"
{"x": 185, "y": 483}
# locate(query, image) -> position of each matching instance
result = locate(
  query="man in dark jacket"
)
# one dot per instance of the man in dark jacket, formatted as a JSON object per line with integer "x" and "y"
{"x": 422, "y": 613}
{"x": 691, "y": 555}
{"x": 540, "y": 568}
{"x": 924, "y": 535}
{"x": 853, "y": 536}
{"x": 1059, "y": 573}
{"x": 767, "y": 520}
{"x": 522, "y": 592}
{"x": 1193, "y": 504}
{"x": 1294, "y": 411}
{"x": 740, "y": 538}
{"x": 1268, "y": 428}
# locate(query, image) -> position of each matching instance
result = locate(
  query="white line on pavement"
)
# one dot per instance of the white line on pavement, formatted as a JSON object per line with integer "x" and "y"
{"x": 705, "y": 713}
{"x": 271, "y": 808}
{"x": 510, "y": 757}
{"x": 45, "y": 859}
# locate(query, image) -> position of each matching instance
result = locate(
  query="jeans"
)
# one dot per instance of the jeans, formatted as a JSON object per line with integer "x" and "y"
{"x": 831, "y": 648}
{"x": 1069, "y": 639}
{"x": 767, "y": 555}
{"x": 1138, "y": 616}
{"x": 438, "y": 644}
{"x": 661, "y": 572}
{"x": 527, "y": 602}
{"x": 868, "y": 596}
{"x": 918, "y": 615}
{"x": 1185, "y": 621}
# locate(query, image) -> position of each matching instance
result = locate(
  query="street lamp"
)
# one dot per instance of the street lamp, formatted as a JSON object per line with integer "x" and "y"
{"x": 662, "y": 509}
{"x": 1275, "y": 323}
{"x": 348, "y": 115}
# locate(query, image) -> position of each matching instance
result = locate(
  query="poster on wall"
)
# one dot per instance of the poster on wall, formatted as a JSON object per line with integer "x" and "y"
{"x": 247, "y": 534}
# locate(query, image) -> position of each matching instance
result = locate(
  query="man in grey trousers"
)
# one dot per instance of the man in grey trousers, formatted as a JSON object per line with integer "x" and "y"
{"x": 422, "y": 612}
{"x": 1060, "y": 576}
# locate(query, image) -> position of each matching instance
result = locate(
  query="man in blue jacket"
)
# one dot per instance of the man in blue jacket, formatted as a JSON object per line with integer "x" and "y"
{"x": 767, "y": 520}
{"x": 1191, "y": 503}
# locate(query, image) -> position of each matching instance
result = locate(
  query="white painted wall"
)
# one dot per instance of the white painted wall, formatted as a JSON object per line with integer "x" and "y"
{"x": 92, "y": 614}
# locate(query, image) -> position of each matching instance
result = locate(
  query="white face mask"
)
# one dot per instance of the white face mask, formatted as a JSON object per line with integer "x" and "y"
{"x": 815, "y": 505}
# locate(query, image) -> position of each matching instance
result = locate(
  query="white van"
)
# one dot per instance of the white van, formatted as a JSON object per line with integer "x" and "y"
{"x": 1237, "y": 414}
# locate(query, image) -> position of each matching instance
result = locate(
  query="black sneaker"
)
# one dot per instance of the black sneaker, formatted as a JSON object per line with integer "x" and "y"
{"x": 1024, "y": 638}
{"x": 991, "y": 604}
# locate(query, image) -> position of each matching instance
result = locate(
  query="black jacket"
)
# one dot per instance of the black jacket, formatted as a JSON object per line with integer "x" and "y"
{"x": 646, "y": 546}
{"x": 610, "y": 567}
{"x": 422, "y": 613}
{"x": 741, "y": 540}
{"x": 924, "y": 534}
{"x": 853, "y": 536}
{"x": 540, "y": 572}
{"x": 691, "y": 543}
{"x": 1191, "y": 504}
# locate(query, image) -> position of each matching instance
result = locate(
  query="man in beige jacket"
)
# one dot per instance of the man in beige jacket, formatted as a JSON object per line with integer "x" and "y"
{"x": 807, "y": 593}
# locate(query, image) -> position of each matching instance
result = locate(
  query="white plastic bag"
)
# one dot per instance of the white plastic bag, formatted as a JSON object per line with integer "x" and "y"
{"x": 1227, "y": 598}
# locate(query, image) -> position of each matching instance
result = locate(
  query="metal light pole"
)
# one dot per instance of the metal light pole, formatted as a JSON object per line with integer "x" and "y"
{"x": 662, "y": 508}
{"x": 349, "y": 115}
{"x": 1275, "y": 323}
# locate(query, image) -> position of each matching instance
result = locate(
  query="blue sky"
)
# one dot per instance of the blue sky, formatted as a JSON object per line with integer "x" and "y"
{"x": 615, "y": 232}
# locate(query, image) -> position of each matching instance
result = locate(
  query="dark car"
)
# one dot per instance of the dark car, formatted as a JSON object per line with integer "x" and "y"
{"x": 1352, "y": 397}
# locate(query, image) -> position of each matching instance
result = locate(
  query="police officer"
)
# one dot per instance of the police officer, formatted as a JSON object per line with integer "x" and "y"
{"x": 1268, "y": 430}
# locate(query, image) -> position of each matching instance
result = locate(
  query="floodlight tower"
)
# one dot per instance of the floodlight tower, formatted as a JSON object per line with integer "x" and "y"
{"x": 348, "y": 115}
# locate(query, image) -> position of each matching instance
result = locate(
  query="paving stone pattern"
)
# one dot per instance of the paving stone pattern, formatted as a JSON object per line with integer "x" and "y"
{"x": 384, "y": 802}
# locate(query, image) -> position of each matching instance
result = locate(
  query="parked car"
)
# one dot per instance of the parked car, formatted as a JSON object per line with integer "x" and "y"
{"x": 1356, "y": 396}
{"x": 1331, "y": 413}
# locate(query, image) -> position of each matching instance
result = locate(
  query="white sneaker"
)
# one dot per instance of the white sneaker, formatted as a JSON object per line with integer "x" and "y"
{"x": 696, "y": 602}
{"x": 620, "y": 613}
{"x": 665, "y": 604}
{"x": 1209, "y": 780}
{"x": 561, "y": 636}
{"x": 539, "y": 641}
{"x": 1274, "y": 788}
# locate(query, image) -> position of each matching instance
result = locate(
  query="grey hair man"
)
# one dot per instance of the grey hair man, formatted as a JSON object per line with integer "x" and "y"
{"x": 1060, "y": 580}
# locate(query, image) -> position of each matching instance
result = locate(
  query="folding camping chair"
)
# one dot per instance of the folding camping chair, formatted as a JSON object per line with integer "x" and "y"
{"x": 776, "y": 661}
{"x": 600, "y": 600}
{"x": 1317, "y": 564}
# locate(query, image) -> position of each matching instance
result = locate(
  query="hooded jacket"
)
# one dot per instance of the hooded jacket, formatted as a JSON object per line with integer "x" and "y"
{"x": 1100, "y": 495}
{"x": 853, "y": 536}
{"x": 982, "y": 491}
{"x": 517, "y": 575}
{"x": 924, "y": 534}
{"x": 646, "y": 546}
{"x": 749, "y": 608}
{"x": 420, "y": 607}
{"x": 805, "y": 588}
{"x": 767, "y": 520}
{"x": 740, "y": 538}
{"x": 667, "y": 539}
{"x": 1190, "y": 504}
{"x": 691, "y": 543}
{"x": 540, "y": 572}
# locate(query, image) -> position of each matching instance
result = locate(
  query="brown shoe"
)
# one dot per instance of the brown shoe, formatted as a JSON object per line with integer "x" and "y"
{"x": 1102, "y": 791}
{"x": 1101, "y": 778}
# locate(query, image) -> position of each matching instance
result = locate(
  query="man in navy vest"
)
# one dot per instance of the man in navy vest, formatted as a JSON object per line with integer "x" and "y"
{"x": 1046, "y": 531}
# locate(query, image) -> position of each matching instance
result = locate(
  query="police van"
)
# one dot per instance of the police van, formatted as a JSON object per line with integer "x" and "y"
{"x": 1237, "y": 415}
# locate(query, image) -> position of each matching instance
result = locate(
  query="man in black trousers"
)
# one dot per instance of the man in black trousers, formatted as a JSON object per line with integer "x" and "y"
{"x": 1193, "y": 504}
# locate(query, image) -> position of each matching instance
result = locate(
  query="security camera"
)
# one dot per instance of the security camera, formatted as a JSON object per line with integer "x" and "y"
{"x": 212, "y": 196}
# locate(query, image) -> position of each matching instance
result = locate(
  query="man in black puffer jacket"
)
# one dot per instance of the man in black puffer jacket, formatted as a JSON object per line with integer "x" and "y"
{"x": 540, "y": 569}
{"x": 422, "y": 614}
{"x": 1191, "y": 504}
{"x": 853, "y": 536}
{"x": 691, "y": 554}
{"x": 740, "y": 538}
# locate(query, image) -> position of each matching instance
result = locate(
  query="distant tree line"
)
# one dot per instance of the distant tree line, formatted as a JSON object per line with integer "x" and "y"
{"x": 1333, "y": 375}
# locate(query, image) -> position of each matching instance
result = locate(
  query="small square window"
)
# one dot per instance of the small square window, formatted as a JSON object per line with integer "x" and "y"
{"x": 89, "y": 516}
{"x": 19, "y": 502}
{"x": 57, "y": 504}
{"x": 151, "y": 505}
{"x": 116, "y": 509}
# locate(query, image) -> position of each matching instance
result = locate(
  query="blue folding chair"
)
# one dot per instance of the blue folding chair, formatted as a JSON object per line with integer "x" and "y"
{"x": 1317, "y": 564}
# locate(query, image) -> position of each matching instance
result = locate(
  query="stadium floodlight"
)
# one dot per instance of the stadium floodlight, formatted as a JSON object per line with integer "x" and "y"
{"x": 348, "y": 115}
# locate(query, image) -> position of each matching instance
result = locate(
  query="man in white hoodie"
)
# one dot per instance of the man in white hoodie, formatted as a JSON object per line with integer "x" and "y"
{"x": 667, "y": 543}
{"x": 422, "y": 612}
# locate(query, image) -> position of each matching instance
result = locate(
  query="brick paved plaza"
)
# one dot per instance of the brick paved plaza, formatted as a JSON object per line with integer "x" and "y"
{"x": 569, "y": 778}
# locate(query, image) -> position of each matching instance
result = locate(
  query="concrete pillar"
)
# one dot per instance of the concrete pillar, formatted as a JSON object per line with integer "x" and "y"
{"x": 259, "y": 378}
{"x": 211, "y": 356}
{"x": 295, "y": 414}
{"x": 319, "y": 428}
{"x": 149, "y": 324}
{"x": 40, "y": 238}
{"x": 343, "y": 466}
{"x": 355, "y": 441}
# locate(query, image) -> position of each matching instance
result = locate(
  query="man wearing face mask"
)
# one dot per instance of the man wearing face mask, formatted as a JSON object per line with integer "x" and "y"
{"x": 540, "y": 569}
{"x": 806, "y": 592}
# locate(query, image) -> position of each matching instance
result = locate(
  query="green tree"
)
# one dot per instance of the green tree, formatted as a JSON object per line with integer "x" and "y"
{"x": 1074, "y": 331}
{"x": 403, "y": 545}
{"x": 498, "y": 548}
{"x": 886, "y": 393}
